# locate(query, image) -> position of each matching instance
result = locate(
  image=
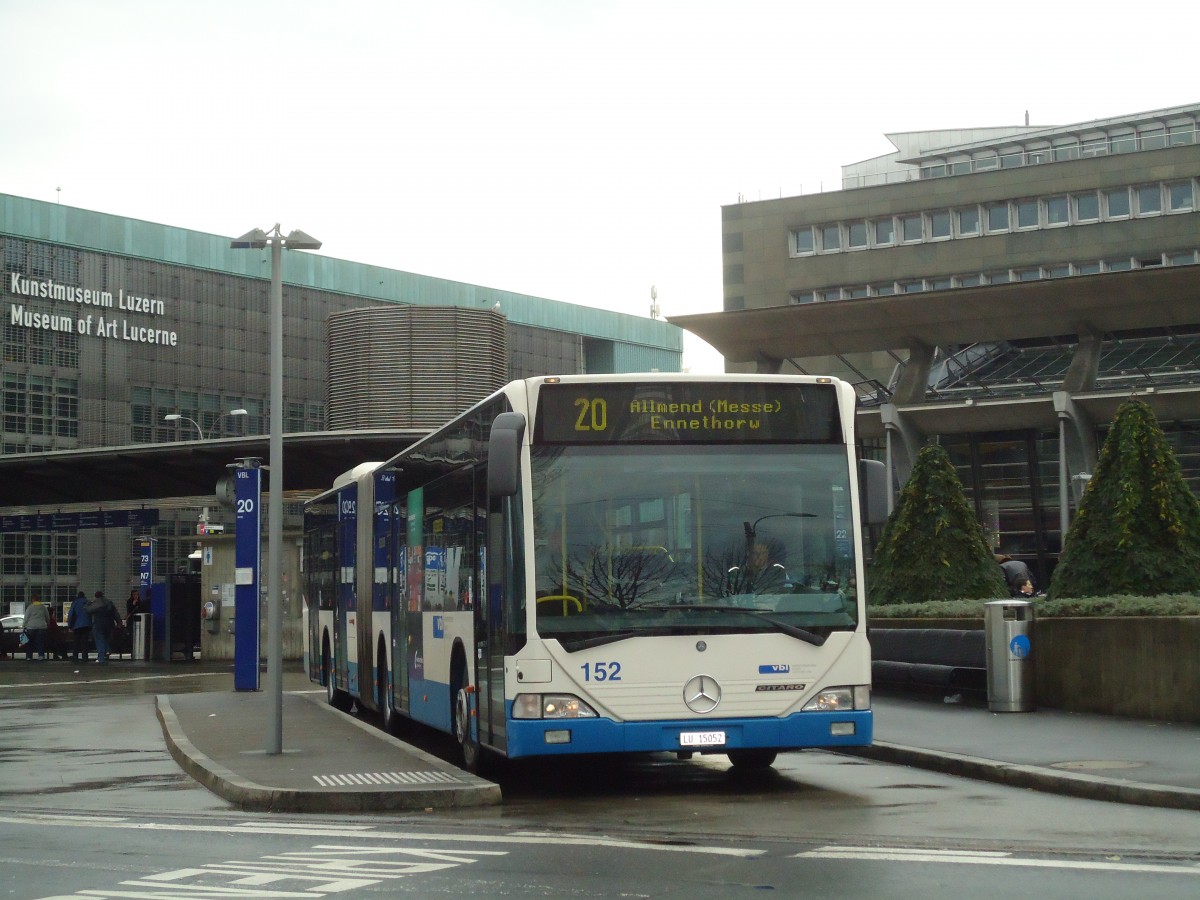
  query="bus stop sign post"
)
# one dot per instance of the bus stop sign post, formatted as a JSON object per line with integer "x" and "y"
{"x": 247, "y": 483}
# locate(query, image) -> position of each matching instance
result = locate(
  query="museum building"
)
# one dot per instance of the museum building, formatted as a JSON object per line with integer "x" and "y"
{"x": 998, "y": 290}
{"x": 120, "y": 333}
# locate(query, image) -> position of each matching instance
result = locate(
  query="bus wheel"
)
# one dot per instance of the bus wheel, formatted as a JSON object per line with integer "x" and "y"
{"x": 752, "y": 759}
{"x": 468, "y": 745}
{"x": 387, "y": 712}
{"x": 338, "y": 699}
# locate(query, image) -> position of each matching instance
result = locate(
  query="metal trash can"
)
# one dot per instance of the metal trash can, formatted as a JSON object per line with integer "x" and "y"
{"x": 1008, "y": 627}
{"x": 140, "y": 636}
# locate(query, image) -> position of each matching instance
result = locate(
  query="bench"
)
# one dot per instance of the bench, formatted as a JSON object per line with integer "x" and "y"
{"x": 941, "y": 658}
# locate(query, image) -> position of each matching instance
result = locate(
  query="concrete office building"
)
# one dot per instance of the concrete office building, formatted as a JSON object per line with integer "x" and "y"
{"x": 111, "y": 324}
{"x": 999, "y": 290}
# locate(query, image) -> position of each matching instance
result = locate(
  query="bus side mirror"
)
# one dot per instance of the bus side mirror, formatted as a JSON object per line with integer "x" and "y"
{"x": 504, "y": 454}
{"x": 873, "y": 488}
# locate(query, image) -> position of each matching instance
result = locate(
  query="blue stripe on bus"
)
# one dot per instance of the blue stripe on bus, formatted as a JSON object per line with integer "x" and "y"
{"x": 526, "y": 737}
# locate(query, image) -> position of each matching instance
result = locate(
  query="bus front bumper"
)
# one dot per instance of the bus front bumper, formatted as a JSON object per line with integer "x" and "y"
{"x": 542, "y": 737}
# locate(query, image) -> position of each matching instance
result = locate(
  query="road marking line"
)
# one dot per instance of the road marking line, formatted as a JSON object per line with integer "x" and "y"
{"x": 78, "y": 681}
{"x": 359, "y": 832}
{"x": 987, "y": 859}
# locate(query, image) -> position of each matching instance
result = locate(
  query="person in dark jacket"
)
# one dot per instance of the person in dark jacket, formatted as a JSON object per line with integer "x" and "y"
{"x": 80, "y": 623}
{"x": 1018, "y": 576}
{"x": 104, "y": 618}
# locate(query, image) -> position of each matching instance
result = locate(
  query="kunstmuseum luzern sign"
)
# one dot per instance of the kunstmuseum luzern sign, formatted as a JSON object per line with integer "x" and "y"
{"x": 101, "y": 314}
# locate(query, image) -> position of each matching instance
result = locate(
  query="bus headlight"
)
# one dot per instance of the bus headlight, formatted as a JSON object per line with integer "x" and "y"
{"x": 840, "y": 699}
{"x": 550, "y": 706}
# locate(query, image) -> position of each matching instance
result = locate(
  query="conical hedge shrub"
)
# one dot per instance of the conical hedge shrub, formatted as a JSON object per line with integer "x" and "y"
{"x": 1138, "y": 526}
{"x": 932, "y": 547}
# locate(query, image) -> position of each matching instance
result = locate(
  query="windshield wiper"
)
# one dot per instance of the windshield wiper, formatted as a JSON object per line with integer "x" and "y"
{"x": 598, "y": 641}
{"x": 816, "y": 640}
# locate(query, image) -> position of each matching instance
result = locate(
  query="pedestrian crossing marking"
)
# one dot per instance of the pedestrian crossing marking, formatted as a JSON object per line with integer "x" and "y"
{"x": 378, "y": 779}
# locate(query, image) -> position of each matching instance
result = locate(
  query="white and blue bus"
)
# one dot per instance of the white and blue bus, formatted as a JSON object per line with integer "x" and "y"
{"x": 607, "y": 564}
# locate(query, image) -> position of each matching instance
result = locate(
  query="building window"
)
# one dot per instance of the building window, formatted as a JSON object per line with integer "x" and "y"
{"x": 1182, "y": 134}
{"x": 1028, "y": 274}
{"x": 970, "y": 280}
{"x": 912, "y": 228}
{"x": 1153, "y": 138}
{"x": 941, "y": 284}
{"x": 806, "y": 297}
{"x": 858, "y": 291}
{"x": 983, "y": 163}
{"x": 1118, "y": 265}
{"x": 856, "y": 235}
{"x": 1088, "y": 268}
{"x": 939, "y": 225}
{"x": 1116, "y": 203}
{"x": 912, "y": 287}
{"x": 1012, "y": 160}
{"x": 831, "y": 294}
{"x": 997, "y": 217}
{"x": 1124, "y": 143}
{"x": 1179, "y": 196}
{"x": 961, "y": 167}
{"x": 1087, "y": 206}
{"x": 1066, "y": 151}
{"x": 999, "y": 276}
{"x": 831, "y": 238}
{"x": 1149, "y": 197}
{"x": 1060, "y": 271}
{"x": 968, "y": 220}
{"x": 1058, "y": 210}
{"x": 884, "y": 232}
{"x": 804, "y": 241}
{"x": 1027, "y": 213}
{"x": 886, "y": 289}
{"x": 1182, "y": 258}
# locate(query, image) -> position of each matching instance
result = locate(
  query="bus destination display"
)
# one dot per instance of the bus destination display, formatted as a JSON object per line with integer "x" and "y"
{"x": 687, "y": 413}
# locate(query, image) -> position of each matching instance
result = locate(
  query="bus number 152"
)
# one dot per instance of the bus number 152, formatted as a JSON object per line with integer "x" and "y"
{"x": 601, "y": 671}
{"x": 593, "y": 414}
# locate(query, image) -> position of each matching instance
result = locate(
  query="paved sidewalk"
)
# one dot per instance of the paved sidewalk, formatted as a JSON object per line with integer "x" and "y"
{"x": 1080, "y": 754}
{"x": 331, "y": 762}
{"x": 334, "y": 762}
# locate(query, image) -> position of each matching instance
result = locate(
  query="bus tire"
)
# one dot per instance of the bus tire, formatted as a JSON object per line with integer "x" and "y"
{"x": 383, "y": 698}
{"x": 336, "y": 698}
{"x": 756, "y": 758}
{"x": 472, "y": 753}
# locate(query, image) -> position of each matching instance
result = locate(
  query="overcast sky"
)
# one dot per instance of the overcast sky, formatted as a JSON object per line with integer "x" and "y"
{"x": 579, "y": 150}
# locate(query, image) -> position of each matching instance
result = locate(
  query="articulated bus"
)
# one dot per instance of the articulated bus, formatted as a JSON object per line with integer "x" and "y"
{"x": 607, "y": 564}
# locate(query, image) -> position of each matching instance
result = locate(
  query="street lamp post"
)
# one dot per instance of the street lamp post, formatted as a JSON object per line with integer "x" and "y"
{"x": 257, "y": 239}
{"x": 176, "y": 417}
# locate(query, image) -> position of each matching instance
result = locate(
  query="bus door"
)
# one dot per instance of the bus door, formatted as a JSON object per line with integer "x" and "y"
{"x": 344, "y": 612}
{"x": 398, "y": 589}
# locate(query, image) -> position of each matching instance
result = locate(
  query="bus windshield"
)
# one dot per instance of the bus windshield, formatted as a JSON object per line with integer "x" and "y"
{"x": 692, "y": 539}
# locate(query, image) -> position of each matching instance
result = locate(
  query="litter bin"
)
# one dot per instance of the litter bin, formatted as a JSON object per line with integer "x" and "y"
{"x": 140, "y": 636}
{"x": 1008, "y": 627}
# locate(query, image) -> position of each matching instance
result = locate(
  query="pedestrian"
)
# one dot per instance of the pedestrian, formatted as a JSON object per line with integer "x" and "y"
{"x": 1018, "y": 576}
{"x": 37, "y": 623}
{"x": 79, "y": 620}
{"x": 133, "y": 606}
{"x": 104, "y": 618}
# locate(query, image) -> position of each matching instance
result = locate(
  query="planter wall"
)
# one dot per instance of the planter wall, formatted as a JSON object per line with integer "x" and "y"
{"x": 1147, "y": 668}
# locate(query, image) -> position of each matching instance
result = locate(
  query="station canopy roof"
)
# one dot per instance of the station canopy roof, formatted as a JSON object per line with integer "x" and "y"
{"x": 1105, "y": 304}
{"x": 311, "y": 461}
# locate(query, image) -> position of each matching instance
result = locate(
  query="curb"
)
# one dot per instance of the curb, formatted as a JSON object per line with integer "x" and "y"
{"x": 251, "y": 796}
{"x": 1090, "y": 787}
